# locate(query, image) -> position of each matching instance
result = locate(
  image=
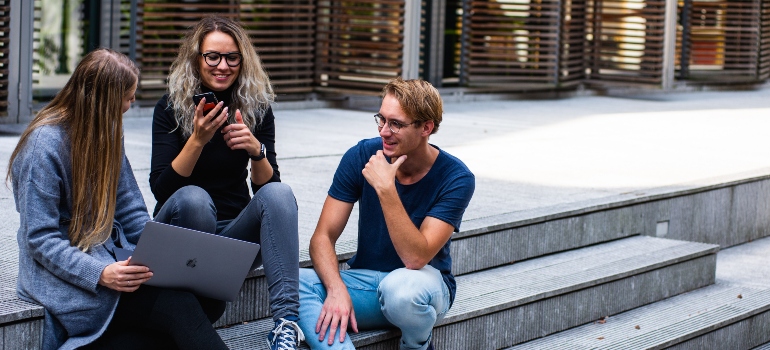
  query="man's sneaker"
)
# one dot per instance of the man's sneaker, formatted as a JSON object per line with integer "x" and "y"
{"x": 285, "y": 336}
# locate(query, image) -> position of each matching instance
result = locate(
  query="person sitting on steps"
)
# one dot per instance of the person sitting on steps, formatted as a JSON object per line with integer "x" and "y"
{"x": 412, "y": 196}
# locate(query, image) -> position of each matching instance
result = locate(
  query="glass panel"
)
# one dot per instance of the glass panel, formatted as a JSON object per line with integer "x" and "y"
{"x": 59, "y": 39}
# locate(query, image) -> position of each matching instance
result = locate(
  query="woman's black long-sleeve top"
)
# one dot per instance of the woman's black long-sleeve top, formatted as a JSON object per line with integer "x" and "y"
{"x": 220, "y": 171}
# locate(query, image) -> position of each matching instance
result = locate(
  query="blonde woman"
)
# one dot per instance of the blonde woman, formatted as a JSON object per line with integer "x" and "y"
{"x": 78, "y": 199}
{"x": 201, "y": 159}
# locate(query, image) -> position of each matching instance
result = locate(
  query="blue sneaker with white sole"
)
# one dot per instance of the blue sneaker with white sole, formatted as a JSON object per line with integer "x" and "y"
{"x": 286, "y": 335}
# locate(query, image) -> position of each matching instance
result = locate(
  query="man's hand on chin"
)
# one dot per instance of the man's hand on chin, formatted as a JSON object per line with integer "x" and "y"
{"x": 380, "y": 174}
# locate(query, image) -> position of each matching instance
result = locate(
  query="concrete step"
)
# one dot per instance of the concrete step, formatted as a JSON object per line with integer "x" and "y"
{"x": 473, "y": 250}
{"x": 501, "y": 245}
{"x": 479, "y": 248}
{"x": 509, "y": 238}
{"x": 721, "y": 316}
{"x": 512, "y": 304}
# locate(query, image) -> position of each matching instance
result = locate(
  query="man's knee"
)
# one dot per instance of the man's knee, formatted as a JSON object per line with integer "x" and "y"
{"x": 412, "y": 296}
{"x": 400, "y": 288}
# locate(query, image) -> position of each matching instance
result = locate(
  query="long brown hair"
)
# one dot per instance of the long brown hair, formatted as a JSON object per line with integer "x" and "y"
{"x": 89, "y": 108}
{"x": 252, "y": 93}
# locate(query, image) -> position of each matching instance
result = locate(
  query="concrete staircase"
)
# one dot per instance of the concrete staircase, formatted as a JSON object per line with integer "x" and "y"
{"x": 527, "y": 280}
{"x": 720, "y": 316}
{"x": 509, "y": 304}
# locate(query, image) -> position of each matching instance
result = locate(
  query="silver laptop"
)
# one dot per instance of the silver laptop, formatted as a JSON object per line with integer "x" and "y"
{"x": 205, "y": 264}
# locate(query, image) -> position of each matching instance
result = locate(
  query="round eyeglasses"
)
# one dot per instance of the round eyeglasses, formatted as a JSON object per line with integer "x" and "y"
{"x": 233, "y": 59}
{"x": 393, "y": 125}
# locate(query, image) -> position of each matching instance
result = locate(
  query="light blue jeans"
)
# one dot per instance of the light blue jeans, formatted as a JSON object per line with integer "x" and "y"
{"x": 269, "y": 219}
{"x": 411, "y": 300}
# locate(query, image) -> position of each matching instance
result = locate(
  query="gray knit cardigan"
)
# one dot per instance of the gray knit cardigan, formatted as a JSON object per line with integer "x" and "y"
{"x": 52, "y": 272}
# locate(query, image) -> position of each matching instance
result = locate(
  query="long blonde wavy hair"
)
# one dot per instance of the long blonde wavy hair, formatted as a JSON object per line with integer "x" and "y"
{"x": 252, "y": 93}
{"x": 90, "y": 109}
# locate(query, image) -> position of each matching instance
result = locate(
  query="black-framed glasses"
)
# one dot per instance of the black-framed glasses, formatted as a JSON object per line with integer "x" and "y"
{"x": 212, "y": 58}
{"x": 393, "y": 125}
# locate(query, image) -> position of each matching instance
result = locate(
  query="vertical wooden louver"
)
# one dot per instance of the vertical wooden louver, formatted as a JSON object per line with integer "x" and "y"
{"x": 764, "y": 41}
{"x": 281, "y": 31}
{"x": 720, "y": 40}
{"x": 513, "y": 42}
{"x": 160, "y": 26}
{"x": 359, "y": 44}
{"x": 625, "y": 41}
{"x": 125, "y": 27}
{"x": 5, "y": 25}
{"x": 572, "y": 64}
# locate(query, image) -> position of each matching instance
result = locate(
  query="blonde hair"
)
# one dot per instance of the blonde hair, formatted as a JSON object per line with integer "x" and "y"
{"x": 418, "y": 99}
{"x": 252, "y": 93}
{"x": 90, "y": 109}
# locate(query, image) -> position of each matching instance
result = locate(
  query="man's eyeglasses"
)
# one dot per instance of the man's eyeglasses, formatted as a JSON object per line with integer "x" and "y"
{"x": 393, "y": 125}
{"x": 233, "y": 59}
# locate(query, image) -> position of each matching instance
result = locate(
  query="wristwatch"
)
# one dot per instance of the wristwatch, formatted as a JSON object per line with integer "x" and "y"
{"x": 259, "y": 156}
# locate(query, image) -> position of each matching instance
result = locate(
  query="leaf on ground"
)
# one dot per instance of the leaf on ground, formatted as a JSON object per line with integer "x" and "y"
{"x": 740, "y": 296}
{"x": 637, "y": 327}
{"x": 600, "y": 338}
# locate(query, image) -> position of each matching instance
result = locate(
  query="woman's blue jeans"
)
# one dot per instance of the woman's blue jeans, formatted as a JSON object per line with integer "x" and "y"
{"x": 270, "y": 219}
{"x": 411, "y": 300}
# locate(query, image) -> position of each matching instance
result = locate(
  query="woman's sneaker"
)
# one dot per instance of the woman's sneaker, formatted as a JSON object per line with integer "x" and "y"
{"x": 286, "y": 335}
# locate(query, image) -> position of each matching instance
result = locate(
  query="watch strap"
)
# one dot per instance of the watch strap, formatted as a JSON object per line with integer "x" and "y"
{"x": 261, "y": 154}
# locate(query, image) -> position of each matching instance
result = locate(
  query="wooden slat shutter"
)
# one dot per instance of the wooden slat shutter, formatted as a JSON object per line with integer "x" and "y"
{"x": 5, "y": 25}
{"x": 125, "y": 27}
{"x": 283, "y": 31}
{"x": 160, "y": 26}
{"x": 39, "y": 62}
{"x": 722, "y": 42}
{"x": 625, "y": 41}
{"x": 764, "y": 41}
{"x": 359, "y": 44}
{"x": 513, "y": 42}
{"x": 572, "y": 63}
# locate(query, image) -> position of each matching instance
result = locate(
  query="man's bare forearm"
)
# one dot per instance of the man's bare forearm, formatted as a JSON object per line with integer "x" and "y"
{"x": 410, "y": 243}
{"x": 325, "y": 262}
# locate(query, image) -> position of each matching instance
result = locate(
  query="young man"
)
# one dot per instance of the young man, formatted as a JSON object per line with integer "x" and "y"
{"x": 412, "y": 196}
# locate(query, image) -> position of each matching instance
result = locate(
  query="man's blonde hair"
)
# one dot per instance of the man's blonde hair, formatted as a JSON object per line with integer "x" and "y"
{"x": 418, "y": 99}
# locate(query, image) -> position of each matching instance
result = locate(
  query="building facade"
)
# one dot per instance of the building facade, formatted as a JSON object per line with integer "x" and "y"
{"x": 318, "y": 48}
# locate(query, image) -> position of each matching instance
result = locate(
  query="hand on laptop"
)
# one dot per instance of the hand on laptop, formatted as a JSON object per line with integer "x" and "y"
{"x": 121, "y": 277}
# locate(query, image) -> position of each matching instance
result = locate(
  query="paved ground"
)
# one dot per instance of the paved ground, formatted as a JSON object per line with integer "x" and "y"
{"x": 527, "y": 155}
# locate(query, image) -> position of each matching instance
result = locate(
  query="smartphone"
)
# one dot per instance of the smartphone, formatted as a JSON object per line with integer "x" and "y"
{"x": 211, "y": 100}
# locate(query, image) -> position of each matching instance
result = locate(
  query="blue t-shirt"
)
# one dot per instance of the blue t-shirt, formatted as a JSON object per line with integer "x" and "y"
{"x": 443, "y": 193}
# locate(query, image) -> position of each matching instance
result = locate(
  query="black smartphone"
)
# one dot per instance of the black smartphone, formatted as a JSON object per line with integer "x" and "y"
{"x": 211, "y": 100}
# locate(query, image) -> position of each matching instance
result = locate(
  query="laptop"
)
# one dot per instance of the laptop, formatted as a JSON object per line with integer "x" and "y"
{"x": 205, "y": 264}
